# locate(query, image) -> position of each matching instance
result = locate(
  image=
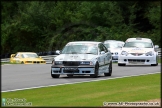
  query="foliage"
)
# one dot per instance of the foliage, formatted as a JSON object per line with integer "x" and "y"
{"x": 43, "y": 26}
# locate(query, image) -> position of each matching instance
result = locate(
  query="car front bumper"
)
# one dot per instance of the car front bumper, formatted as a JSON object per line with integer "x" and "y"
{"x": 76, "y": 70}
{"x": 114, "y": 58}
{"x": 136, "y": 59}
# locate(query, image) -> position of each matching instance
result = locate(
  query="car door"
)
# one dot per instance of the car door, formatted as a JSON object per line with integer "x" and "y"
{"x": 107, "y": 55}
{"x": 16, "y": 58}
{"x": 101, "y": 56}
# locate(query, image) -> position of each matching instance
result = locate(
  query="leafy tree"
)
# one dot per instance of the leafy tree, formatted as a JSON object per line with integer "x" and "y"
{"x": 48, "y": 25}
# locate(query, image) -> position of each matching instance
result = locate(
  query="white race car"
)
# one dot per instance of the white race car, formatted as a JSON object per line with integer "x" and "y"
{"x": 138, "y": 51}
{"x": 82, "y": 58}
{"x": 115, "y": 48}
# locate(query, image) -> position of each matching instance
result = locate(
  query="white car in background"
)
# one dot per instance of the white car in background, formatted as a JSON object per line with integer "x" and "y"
{"x": 138, "y": 51}
{"x": 114, "y": 46}
{"x": 82, "y": 58}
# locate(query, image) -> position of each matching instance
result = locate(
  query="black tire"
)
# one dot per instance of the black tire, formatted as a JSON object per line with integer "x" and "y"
{"x": 54, "y": 75}
{"x": 96, "y": 71}
{"x": 22, "y": 62}
{"x": 120, "y": 64}
{"x": 110, "y": 70}
{"x": 52, "y": 62}
{"x": 69, "y": 75}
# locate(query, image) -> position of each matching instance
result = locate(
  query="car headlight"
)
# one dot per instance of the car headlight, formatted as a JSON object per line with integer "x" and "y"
{"x": 124, "y": 53}
{"x": 57, "y": 62}
{"x": 86, "y": 63}
{"x": 150, "y": 53}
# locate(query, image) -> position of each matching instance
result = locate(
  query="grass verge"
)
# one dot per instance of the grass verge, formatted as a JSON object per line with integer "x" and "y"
{"x": 137, "y": 88}
{"x": 159, "y": 60}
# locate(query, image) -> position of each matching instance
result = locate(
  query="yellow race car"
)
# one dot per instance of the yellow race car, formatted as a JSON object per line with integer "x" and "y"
{"x": 26, "y": 58}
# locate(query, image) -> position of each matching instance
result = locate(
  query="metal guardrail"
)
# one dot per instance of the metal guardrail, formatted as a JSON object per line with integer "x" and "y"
{"x": 159, "y": 52}
{"x": 47, "y": 58}
{"x": 5, "y": 60}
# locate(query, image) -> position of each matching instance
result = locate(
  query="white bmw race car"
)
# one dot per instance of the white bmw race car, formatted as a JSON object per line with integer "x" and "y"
{"x": 82, "y": 58}
{"x": 138, "y": 51}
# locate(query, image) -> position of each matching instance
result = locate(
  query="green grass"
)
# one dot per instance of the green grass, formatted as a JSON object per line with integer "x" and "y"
{"x": 137, "y": 88}
{"x": 159, "y": 60}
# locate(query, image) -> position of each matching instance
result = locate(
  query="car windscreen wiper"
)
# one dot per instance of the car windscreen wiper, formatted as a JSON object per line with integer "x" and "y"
{"x": 89, "y": 53}
{"x": 74, "y": 52}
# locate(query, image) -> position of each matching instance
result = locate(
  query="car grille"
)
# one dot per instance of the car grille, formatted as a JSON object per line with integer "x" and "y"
{"x": 136, "y": 54}
{"x": 28, "y": 61}
{"x": 38, "y": 62}
{"x": 71, "y": 63}
{"x": 116, "y": 53}
{"x": 136, "y": 60}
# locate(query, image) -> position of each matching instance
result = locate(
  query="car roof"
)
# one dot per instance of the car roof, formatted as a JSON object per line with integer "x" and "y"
{"x": 25, "y": 52}
{"x": 139, "y": 39}
{"x": 110, "y": 41}
{"x": 85, "y": 42}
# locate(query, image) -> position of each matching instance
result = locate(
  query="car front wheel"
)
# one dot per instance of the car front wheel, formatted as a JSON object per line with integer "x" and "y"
{"x": 96, "y": 71}
{"x": 156, "y": 63}
{"x": 110, "y": 70}
{"x": 54, "y": 75}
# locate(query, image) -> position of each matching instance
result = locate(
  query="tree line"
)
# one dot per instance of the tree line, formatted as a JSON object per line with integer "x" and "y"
{"x": 48, "y": 25}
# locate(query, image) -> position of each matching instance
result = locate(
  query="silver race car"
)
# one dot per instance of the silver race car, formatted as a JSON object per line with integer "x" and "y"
{"x": 82, "y": 58}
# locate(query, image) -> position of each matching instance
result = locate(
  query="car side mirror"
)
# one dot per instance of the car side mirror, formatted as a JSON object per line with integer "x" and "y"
{"x": 58, "y": 52}
{"x": 12, "y": 55}
{"x": 156, "y": 46}
{"x": 102, "y": 52}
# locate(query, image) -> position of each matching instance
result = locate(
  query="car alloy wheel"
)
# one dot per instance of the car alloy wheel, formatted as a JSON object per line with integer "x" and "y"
{"x": 96, "y": 71}
{"x": 110, "y": 70}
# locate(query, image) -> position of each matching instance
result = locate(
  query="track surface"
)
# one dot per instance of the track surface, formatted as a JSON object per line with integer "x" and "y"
{"x": 21, "y": 76}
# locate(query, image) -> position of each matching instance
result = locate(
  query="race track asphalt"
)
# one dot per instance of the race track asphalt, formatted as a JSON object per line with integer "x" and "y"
{"x": 20, "y": 76}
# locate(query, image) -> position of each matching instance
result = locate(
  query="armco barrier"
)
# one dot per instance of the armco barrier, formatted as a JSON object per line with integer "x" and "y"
{"x": 47, "y": 58}
{"x": 159, "y": 52}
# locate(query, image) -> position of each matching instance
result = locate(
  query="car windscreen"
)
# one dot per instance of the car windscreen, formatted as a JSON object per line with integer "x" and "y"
{"x": 113, "y": 45}
{"x": 29, "y": 56}
{"x": 139, "y": 44}
{"x": 80, "y": 49}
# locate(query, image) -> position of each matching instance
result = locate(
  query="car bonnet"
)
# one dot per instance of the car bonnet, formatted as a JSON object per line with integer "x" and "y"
{"x": 75, "y": 57}
{"x": 137, "y": 50}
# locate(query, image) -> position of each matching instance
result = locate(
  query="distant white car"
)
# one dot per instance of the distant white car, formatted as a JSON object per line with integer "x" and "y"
{"x": 82, "y": 58}
{"x": 115, "y": 48}
{"x": 138, "y": 51}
